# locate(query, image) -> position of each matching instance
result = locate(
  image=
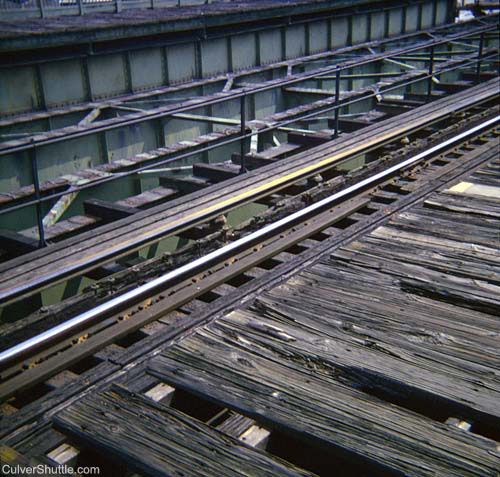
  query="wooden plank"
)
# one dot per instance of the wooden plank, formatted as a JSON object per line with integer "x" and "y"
{"x": 454, "y": 87}
{"x": 34, "y": 410}
{"x": 214, "y": 172}
{"x": 184, "y": 184}
{"x": 65, "y": 454}
{"x": 16, "y": 243}
{"x": 315, "y": 138}
{"x": 392, "y": 109}
{"x": 349, "y": 125}
{"x": 407, "y": 227}
{"x": 149, "y": 198}
{"x": 107, "y": 210}
{"x": 377, "y": 253}
{"x": 235, "y": 425}
{"x": 483, "y": 75}
{"x": 61, "y": 379}
{"x": 283, "y": 378}
{"x": 41, "y": 440}
{"x": 160, "y": 441}
{"x": 161, "y": 393}
{"x": 81, "y": 223}
{"x": 373, "y": 349}
{"x": 468, "y": 188}
{"x": 278, "y": 152}
{"x": 251, "y": 161}
{"x": 75, "y": 224}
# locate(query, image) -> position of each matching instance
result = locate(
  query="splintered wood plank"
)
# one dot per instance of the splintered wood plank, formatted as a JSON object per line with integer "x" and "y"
{"x": 40, "y": 441}
{"x": 370, "y": 351}
{"x": 376, "y": 252}
{"x": 148, "y": 198}
{"x": 402, "y": 343}
{"x": 446, "y": 249}
{"x": 484, "y": 206}
{"x": 159, "y": 441}
{"x": 476, "y": 293}
{"x": 367, "y": 293}
{"x": 469, "y": 188}
{"x": 287, "y": 378}
{"x": 436, "y": 224}
{"x": 429, "y": 301}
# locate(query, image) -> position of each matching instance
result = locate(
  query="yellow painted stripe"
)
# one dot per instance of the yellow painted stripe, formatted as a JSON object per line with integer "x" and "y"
{"x": 460, "y": 187}
{"x": 468, "y": 188}
{"x": 268, "y": 185}
{"x": 249, "y": 193}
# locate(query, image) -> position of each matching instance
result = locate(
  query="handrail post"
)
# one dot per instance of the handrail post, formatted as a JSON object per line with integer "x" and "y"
{"x": 431, "y": 71}
{"x": 243, "y": 168}
{"x": 41, "y": 8}
{"x": 479, "y": 56}
{"x": 337, "y": 101}
{"x": 36, "y": 184}
{"x": 80, "y": 7}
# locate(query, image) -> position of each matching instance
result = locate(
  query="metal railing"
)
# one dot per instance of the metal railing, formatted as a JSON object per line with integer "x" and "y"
{"x": 14, "y": 9}
{"x": 478, "y": 58}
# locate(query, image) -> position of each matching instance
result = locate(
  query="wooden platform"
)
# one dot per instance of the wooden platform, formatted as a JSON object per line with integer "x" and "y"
{"x": 380, "y": 359}
{"x": 47, "y": 266}
{"x": 167, "y": 442}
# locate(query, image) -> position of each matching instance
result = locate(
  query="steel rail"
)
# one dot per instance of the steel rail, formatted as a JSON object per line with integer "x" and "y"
{"x": 223, "y": 252}
{"x": 370, "y": 58}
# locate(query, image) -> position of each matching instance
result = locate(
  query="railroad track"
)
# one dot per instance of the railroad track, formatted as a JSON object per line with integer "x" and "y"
{"x": 379, "y": 53}
{"x": 119, "y": 358}
{"x": 351, "y": 323}
{"x": 190, "y": 294}
{"x": 61, "y": 261}
{"x": 139, "y": 391}
{"x": 25, "y": 278}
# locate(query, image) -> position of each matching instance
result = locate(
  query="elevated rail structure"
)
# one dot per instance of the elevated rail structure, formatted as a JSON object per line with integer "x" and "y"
{"x": 181, "y": 215}
{"x": 146, "y": 364}
{"x": 368, "y": 96}
{"x": 261, "y": 266}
